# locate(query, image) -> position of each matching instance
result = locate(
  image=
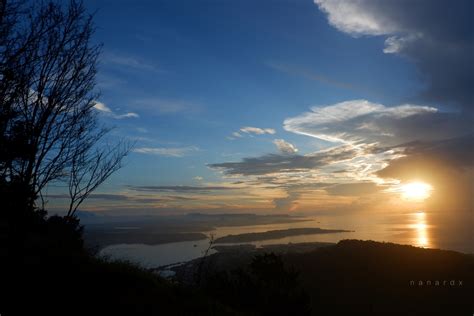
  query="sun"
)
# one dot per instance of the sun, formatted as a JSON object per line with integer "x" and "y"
{"x": 417, "y": 191}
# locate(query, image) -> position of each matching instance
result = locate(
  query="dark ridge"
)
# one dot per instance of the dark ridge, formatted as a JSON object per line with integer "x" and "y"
{"x": 276, "y": 234}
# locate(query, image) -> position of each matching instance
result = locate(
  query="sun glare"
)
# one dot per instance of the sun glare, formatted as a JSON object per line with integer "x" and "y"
{"x": 416, "y": 191}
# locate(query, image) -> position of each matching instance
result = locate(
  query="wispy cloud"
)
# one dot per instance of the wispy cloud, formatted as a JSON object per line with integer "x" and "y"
{"x": 167, "y": 151}
{"x": 251, "y": 131}
{"x": 257, "y": 130}
{"x": 123, "y": 198}
{"x": 129, "y": 62}
{"x": 361, "y": 120}
{"x": 104, "y": 109}
{"x": 164, "y": 106}
{"x": 353, "y": 189}
{"x": 178, "y": 188}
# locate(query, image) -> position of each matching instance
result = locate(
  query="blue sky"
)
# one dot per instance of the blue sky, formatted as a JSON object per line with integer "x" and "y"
{"x": 283, "y": 105}
{"x": 197, "y": 71}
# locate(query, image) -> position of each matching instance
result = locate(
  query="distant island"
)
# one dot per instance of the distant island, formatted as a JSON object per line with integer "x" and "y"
{"x": 102, "y": 231}
{"x": 276, "y": 234}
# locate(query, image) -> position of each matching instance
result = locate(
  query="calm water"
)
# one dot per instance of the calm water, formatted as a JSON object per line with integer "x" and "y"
{"x": 413, "y": 230}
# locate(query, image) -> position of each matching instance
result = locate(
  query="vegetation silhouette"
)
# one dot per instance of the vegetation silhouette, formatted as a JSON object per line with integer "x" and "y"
{"x": 353, "y": 276}
{"x": 49, "y": 131}
{"x": 263, "y": 287}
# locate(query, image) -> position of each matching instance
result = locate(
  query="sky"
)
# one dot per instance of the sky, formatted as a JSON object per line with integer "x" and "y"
{"x": 287, "y": 106}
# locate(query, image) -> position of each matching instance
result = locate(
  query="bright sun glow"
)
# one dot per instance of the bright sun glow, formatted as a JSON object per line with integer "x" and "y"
{"x": 416, "y": 191}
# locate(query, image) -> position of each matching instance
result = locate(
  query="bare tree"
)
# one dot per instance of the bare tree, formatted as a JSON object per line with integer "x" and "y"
{"x": 47, "y": 91}
{"x": 91, "y": 168}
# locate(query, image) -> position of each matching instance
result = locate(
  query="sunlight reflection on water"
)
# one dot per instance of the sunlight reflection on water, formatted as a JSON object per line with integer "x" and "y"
{"x": 421, "y": 228}
{"x": 408, "y": 228}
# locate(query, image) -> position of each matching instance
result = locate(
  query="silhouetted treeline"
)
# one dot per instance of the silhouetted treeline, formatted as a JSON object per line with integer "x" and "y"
{"x": 387, "y": 279}
{"x": 361, "y": 277}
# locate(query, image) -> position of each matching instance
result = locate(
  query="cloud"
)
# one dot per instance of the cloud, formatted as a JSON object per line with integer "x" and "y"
{"x": 257, "y": 130}
{"x": 249, "y": 130}
{"x": 178, "y": 188}
{"x": 369, "y": 138}
{"x": 116, "y": 198}
{"x": 455, "y": 153}
{"x": 128, "y": 62}
{"x": 353, "y": 189}
{"x": 272, "y": 163}
{"x": 437, "y": 35}
{"x": 101, "y": 107}
{"x": 355, "y": 18}
{"x": 288, "y": 202}
{"x": 285, "y": 147}
{"x": 166, "y": 151}
{"x": 164, "y": 106}
{"x": 361, "y": 120}
{"x": 198, "y": 178}
{"x": 396, "y": 44}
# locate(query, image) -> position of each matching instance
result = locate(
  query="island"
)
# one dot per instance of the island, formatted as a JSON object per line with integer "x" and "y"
{"x": 276, "y": 234}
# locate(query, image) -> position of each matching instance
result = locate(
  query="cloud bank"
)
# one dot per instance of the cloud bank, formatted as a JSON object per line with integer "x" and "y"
{"x": 436, "y": 34}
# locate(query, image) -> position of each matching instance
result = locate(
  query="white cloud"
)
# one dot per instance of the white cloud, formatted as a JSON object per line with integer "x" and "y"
{"x": 257, "y": 130}
{"x": 101, "y": 107}
{"x": 365, "y": 18}
{"x": 250, "y": 130}
{"x": 198, "y": 178}
{"x": 127, "y": 115}
{"x": 284, "y": 147}
{"x": 357, "y": 120}
{"x": 352, "y": 17}
{"x": 166, "y": 151}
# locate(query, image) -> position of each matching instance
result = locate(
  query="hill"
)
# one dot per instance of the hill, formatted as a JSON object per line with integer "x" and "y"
{"x": 353, "y": 276}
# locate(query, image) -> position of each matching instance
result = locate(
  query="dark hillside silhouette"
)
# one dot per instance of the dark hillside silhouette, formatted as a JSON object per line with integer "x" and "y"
{"x": 384, "y": 279}
{"x": 363, "y": 277}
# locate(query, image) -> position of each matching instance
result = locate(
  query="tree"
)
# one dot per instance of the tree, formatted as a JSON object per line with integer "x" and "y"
{"x": 89, "y": 168}
{"x": 49, "y": 128}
